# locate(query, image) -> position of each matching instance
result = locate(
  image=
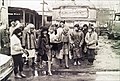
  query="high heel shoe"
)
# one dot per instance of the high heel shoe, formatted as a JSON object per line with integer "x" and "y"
{"x": 66, "y": 67}
{"x": 49, "y": 73}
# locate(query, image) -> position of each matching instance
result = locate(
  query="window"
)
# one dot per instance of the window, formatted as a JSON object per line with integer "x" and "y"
{"x": 2, "y": 2}
{"x": 49, "y": 18}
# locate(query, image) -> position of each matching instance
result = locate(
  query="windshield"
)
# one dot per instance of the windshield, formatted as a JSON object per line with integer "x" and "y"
{"x": 117, "y": 17}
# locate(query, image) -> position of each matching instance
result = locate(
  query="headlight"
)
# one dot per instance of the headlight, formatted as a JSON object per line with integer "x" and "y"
{"x": 5, "y": 66}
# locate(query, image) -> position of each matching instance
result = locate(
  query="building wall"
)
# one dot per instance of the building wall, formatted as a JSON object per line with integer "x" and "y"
{"x": 4, "y": 11}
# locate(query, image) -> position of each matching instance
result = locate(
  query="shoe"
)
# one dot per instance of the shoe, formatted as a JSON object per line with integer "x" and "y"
{"x": 49, "y": 73}
{"x": 40, "y": 66}
{"x": 18, "y": 77}
{"x": 75, "y": 63}
{"x": 33, "y": 63}
{"x": 27, "y": 63}
{"x": 90, "y": 63}
{"x": 23, "y": 75}
{"x": 79, "y": 63}
{"x": 51, "y": 63}
{"x": 66, "y": 67}
{"x": 61, "y": 65}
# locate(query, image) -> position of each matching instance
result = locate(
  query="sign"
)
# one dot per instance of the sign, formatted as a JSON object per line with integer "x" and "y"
{"x": 74, "y": 12}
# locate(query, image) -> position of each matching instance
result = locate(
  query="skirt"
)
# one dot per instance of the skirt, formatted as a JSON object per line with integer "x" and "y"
{"x": 63, "y": 51}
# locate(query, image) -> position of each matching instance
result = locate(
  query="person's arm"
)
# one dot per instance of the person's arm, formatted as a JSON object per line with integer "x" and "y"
{"x": 86, "y": 38}
{"x": 16, "y": 45}
{"x": 39, "y": 42}
{"x": 95, "y": 38}
{"x": 23, "y": 38}
{"x": 82, "y": 39}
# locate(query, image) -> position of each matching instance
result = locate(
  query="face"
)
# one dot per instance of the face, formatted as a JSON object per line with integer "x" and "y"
{"x": 84, "y": 27}
{"x": 19, "y": 34}
{"x": 51, "y": 31}
{"x": 62, "y": 24}
{"x": 90, "y": 30}
{"x": 31, "y": 29}
{"x": 75, "y": 28}
{"x": 45, "y": 33}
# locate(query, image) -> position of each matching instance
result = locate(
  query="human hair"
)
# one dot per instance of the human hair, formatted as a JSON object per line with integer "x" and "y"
{"x": 47, "y": 35}
{"x": 43, "y": 30}
{"x": 76, "y": 25}
{"x": 85, "y": 25}
{"x": 62, "y": 21}
{"x": 16, "y": 31}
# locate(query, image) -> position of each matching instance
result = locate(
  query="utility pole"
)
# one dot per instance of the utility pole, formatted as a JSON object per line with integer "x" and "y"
{"x": 43, "y": 18}
{"x": 43, "y": 13}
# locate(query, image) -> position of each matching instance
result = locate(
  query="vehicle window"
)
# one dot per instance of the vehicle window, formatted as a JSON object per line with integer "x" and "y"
{"x": 4, "y": 40}
{"x": 117, "y": 18}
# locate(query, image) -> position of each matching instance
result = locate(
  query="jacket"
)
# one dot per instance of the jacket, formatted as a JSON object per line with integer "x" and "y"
{"x": 16, "y": 47}
{"x": 29, "y": 40}
{"x": 78, "y": 38}
{"x": 91, "y": 40}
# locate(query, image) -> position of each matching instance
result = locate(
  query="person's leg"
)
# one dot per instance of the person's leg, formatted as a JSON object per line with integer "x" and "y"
{"x": 61, "y": 57}
{"x": 90, "y": 61}
{"x": 66, "y": 62}
{"x": 74, "y": 57}
{"x": 33, "y": 61}
{"x": 75, "y": 62}
{"x": 78, "y": 61}
{"x": 60, "y": 60}
{"x": 21, "y": 64}
{"x": 91, "y": 56}
{"x": 16, "y": 64}
{"x": 49, "y": 67}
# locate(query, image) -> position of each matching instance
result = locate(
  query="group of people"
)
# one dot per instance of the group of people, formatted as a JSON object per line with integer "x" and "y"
{"x": 57, "y": 41}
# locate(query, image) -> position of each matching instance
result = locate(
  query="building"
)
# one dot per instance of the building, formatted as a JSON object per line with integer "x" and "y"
{"x": 4, "y": 11}
{"x": 73, "y": 12}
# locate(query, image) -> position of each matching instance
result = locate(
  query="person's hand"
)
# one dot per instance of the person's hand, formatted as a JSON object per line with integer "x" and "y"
{"x": 36, "y": 49}
{"x": 80, "y": 45}
{"x": 26, "y": 52}
{"x": 73, "y": 45}
{"x": 23, "y": 47}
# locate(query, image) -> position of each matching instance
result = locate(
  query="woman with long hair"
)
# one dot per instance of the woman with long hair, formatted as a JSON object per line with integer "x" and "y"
{"x": 44, "y": 49}
{"x": 16, "y": 52}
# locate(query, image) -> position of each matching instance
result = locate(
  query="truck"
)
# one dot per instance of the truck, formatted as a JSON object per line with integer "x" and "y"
{"x": 73, "y": 14}
{"x": 114, "y": 30}
{"x": 105, "y": 17}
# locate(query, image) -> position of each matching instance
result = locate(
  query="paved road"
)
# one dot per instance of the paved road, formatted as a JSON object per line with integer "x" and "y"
{"x": 106, "y": 68}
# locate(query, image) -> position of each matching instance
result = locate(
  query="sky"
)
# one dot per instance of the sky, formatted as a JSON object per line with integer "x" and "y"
{"x": 36, "y": 4}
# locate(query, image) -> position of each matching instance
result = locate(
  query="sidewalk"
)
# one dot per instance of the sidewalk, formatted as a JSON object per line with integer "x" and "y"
{"x": 106, "y": 67}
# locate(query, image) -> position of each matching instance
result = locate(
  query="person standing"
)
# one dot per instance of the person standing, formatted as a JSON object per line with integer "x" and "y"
{"x": 12, "y": 27}
{"x": 54, "y": 49}
{"x": 59, "y": 41}
{"x": 16, "y": 52}
{"x": 29, "y": 41}
{"x": 78, "y": 38}
{"x": 85, "y": 30}
{"x": 65, "y": 47}
{"x": 44, "y": 49}
{"x": 91, "y": 40}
